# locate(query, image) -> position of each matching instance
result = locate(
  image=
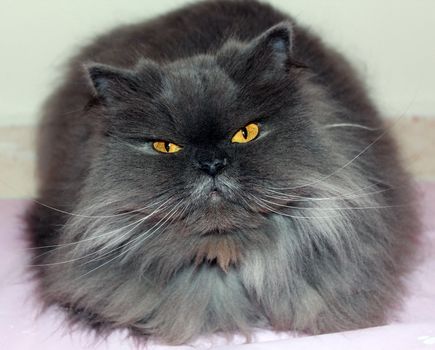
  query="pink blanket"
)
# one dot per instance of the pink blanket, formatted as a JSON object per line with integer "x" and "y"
{"x": 21, "y": 327}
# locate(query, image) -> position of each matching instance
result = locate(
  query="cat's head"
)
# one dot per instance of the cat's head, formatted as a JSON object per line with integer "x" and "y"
{"x": 207, "y": 137}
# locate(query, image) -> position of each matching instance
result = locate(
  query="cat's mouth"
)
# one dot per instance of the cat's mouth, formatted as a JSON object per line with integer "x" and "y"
{"x": 215, "y": 195}
{"x": 213, "y": 191}
{"x": 214, "y": 206}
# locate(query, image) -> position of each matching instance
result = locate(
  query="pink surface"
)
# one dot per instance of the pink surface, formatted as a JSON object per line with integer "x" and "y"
{"x": 21, "y": 327}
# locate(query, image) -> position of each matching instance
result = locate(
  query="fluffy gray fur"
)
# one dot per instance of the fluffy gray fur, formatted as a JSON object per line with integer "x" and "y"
{"x": 314, "y": 226}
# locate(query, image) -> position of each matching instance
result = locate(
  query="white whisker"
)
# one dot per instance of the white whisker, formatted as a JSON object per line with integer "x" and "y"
{"x": 129, "y": 243}
{"x": 120, "y": 238}
{"x": 92, "y": 216}
{"x": 350, "y": 125}
{"x": 336, "y": 208}
{"x": 349, "y": 195}
{"x": 347, "y": 163}
{"x": 57, "y": 246}
{"x": 267, "y": 207}
{"x": 136, "y": 224}
{"x": 139, "y": 222}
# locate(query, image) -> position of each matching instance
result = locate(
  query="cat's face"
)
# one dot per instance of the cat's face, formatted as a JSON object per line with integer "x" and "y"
{"x": 210, "y": 135}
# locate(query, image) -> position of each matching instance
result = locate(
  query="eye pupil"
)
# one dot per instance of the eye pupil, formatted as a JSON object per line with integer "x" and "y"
{"x": 167, "y": 146}
{"x": 244, "y": 132}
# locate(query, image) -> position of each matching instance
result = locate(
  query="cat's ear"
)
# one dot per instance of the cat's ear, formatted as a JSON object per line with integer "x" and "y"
{"x": 268, "y": 56}
{"x": 110, "y": 83}
{"x": 272, "y": 50}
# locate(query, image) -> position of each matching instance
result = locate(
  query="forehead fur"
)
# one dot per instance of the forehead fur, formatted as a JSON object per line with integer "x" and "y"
{"x": 200, "y": 98}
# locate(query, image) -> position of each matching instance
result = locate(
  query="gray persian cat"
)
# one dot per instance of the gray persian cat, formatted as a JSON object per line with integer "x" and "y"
{"x": 218, "y": 169}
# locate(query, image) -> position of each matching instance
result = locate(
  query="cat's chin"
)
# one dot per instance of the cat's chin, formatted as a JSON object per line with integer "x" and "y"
{"x": 219, "y": 215}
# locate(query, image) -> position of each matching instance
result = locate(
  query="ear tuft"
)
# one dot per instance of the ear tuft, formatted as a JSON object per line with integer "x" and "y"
{"x": 275, "y": 44}
{"x": 270, "y": 54}
{"x": 110, "y": 83}
{"x": 279, "y": 38}
{"x": 99, "y": 74}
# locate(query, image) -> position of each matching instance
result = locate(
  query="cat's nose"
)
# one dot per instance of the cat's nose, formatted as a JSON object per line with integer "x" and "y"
{"x": 213, "y": 166}
{"x": 211, "y": 162}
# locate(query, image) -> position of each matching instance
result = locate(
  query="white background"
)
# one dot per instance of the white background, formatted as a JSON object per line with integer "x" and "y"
{"x": 392, "y": 43}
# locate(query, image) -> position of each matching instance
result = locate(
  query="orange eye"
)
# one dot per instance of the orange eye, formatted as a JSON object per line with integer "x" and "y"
{"x": 166, "y": 147}
{"x": 246, "y": 134}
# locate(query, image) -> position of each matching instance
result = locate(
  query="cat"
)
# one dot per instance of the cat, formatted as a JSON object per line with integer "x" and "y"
{"x": 218, "y": 169}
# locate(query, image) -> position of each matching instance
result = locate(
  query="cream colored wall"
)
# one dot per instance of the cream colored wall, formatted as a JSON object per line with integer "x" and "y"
{"x": 391, "y": 42}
